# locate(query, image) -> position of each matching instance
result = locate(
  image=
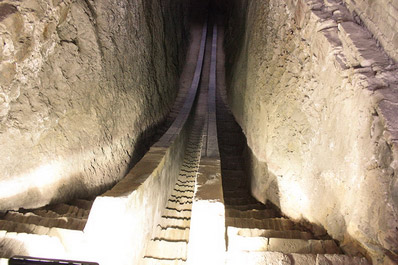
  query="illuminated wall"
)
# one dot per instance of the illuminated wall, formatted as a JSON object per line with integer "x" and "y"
{"x": 82, "y": 83}
{"x": 314, "y": 96}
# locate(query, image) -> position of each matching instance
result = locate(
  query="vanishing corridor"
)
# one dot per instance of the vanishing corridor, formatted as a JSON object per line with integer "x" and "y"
{"x": 195, "y": 132}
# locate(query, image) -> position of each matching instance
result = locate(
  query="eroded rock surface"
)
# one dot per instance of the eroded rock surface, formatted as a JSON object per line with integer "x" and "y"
{"x": 81, "y": 84}
{"x": 317, "y": 100}
{"x": 381, "y": 18}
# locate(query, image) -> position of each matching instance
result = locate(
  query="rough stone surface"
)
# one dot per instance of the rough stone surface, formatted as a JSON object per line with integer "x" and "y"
{"x": 316, "y": 98}
{"x": 381, "y": 17}
{"x": 81, "y": 84}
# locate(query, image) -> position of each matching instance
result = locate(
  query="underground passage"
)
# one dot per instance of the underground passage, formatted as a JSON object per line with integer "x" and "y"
{"x": 199, "y": 132}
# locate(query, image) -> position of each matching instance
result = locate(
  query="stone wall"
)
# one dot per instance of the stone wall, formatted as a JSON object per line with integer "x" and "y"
{"x": 317, "y": 100}
{"x": 381, "y": 18}
{"x": 82, "y": 82}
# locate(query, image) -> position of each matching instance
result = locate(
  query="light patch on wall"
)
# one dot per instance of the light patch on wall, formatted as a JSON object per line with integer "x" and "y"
{"x": 41, "y": 178}
{"x": 292, "y": 195}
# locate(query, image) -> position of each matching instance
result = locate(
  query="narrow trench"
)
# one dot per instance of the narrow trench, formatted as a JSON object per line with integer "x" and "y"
{"x": 255, "y": 233}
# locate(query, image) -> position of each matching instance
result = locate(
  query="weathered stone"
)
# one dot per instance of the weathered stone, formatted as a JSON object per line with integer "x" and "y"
{"x": 317, "y": 128}
{"x": 381, "y": 19}
{"x": 82, "y": 83}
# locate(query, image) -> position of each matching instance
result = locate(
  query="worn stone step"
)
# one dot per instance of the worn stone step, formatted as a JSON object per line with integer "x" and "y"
{"x": 174, "y": 222}
{"x": 246, "y": 207}
{"x": 177, "y": 193}
{"x": 171, "y": 234}
{"x": 189, "y": 186}
{"x": 240, "y": 200}
{"x": 162, "y": 249}
{"x": 180, "y": 200}
{"x": 229, "y": 125}
{"x": 271, "y": 223}
{"x": 83, "y": 204}
{"x": 236, "y": 193}
{"x": 152, "y": 261}
{"x": 13, "y": 243}
{"x": 233, "y": 185}
{"x": 31, "y": 218}
{"x": 256, "y": 214}
{"x": 67, "y": 210}
{"x": 302, "y": 246}
{"x": 66, "y": 235}
{"x": 232, "y": 163}
{"x": 178, "y": 206}
{"x": 274, "y": 258}
{"x": 284, "y": 245}
{"x": 17, "y": 227}
{"x": 83, "y": 214}
{"x": 174, "y": 213}
{"x": 231, "y": 149}
{"x": 184, "y": 189}
{"x": 233, "y": 173}
{"x": 186, "y": 181}
{"x": 255, "y": 232}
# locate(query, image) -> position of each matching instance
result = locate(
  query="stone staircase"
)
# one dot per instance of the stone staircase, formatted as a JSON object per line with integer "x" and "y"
{"x": 258, "y": 233}
{"x": 255, "y": 233}
{"x": 39, "y": 232}
{"x": 170, "y": 240}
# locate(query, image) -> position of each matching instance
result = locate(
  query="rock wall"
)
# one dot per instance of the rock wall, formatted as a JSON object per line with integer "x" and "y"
{"x": 82, "y": 83}
{"x": 381, "y": 18}
{"x": 317, "y": 100}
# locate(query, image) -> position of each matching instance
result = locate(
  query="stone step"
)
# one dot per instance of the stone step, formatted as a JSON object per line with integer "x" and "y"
{"x": 67, "y": 236}
{"x": 176, "y": 193}
{"x": 31, "y": 218}
{"x": 229, "y": 125}
{"x": 152, "y": 261}
{"x": 274, "y": 258}
{"x": 232, "y": 163}
{"x": 83, "y": 204}
{"x": 226, "y": 173}
{"x": 256, "y": 214}
{"x": 174, "y": 222}
{"x": 240, "y": 201}
{"x": 269, "y": 233}
{"x": 189, "y": 186}
{"x": 179, "y": 214}
{"x": 302, "y": 246}
{"x": 236, "y": 193}
{"x": 280, "y": 224}
{"x": 231, "y": 185}
{"x": 162, "y": 249}
{"x": 83, "y": 214}
{"x": 11, "y": 226}
{"x": 178, "y": 206}
{"x": 184, "y": 189}
{"x": 13, "y": 243}
{"x": 186, "y": 181}
{"x": 171, "y": 234}
{"x": 284, "y": 245}
{"x": 231, "y": 149}
{"x": 67, "y": 210}
{"x": 246, "y": 207}
{"x": 180, "y": 199}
